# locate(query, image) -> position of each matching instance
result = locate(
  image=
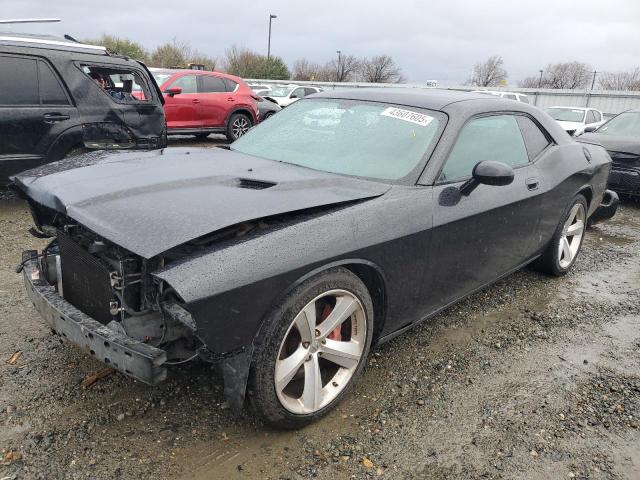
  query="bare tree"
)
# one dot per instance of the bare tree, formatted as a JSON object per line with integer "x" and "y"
{"x": 380, "y": 69}
{"x": 343, "y": 69}
{"x": 305, "y": 70}
{"x": 620, "y": 80}
{"x": 531, "y": 82}
{"x": 568, "y": 75}
{"x": 489, "y": 73}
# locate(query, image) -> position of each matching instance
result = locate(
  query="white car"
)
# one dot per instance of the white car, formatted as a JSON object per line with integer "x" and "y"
{"x": 519, "y": 97}
{"x": 285, "y": 96}
{"x": 575, "y": 119}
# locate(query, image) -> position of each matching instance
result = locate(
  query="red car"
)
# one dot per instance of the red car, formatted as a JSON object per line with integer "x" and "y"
{"x": 199, "y": 103}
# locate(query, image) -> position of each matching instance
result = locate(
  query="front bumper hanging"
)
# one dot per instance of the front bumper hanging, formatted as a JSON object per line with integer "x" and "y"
{"x": 125, "y": 354}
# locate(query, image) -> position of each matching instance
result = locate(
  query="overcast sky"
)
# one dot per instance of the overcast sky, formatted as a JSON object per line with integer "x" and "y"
{"x": 429, "y": 39}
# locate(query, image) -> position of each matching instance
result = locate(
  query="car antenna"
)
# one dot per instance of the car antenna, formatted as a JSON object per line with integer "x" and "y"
{"x": 29, "y": 20}
{"x": 69, "y": 37}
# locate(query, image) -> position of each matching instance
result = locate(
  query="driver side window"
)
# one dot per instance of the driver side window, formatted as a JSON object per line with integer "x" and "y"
{"x": 495, "y": 137}
{"x": 187, "y": 83}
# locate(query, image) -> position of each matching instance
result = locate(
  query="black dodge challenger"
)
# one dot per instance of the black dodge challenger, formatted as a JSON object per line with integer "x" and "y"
{"x": 341, "y": 222}
{"x": 621, "y": 137}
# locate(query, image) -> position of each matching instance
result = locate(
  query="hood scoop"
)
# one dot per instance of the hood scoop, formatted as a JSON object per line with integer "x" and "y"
{"x": 252, "y": 184}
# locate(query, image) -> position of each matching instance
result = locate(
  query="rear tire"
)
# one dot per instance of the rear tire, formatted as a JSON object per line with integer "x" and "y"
{"x": 564, "y": 247}
{"x": 238, "y": 125}
{"x": 315, "y": 363}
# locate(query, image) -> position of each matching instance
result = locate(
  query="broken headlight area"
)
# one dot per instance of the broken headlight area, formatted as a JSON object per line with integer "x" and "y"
{"x": 115, "y": 288}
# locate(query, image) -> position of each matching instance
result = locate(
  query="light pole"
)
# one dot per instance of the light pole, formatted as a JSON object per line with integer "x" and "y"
{"x": 271, "y": 17}
{"x": 540, "y": 81}
{"x": 593, "y": 82}
{"x": 338, "y": 73}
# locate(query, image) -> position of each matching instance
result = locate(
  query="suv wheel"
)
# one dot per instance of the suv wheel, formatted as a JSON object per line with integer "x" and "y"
{"x": 238, "y": 125}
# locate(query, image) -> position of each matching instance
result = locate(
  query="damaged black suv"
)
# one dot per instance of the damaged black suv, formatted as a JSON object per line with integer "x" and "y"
{"x": 59, "y": 97}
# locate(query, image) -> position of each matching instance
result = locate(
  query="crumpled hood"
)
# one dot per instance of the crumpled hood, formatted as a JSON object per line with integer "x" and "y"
{"x": 614, "y": 143}
{"x": 149, "y": 202}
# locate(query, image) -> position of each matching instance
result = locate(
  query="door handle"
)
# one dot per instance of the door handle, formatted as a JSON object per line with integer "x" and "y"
{"x": 532, "y": 183}
{"x": 55, "y": 117}
{"x": 195, "y": 100}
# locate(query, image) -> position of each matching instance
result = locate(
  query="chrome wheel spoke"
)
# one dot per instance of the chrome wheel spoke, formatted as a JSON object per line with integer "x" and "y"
{"x": 288, "y": 367}
{"x": 345, "y": 307}
{"x": 312, "y": 384}
{"x": 345, "y": 354}
{"x": 566, "y": 249}
{"x": 305, "y": 322}
{"x": 575, "y": 228}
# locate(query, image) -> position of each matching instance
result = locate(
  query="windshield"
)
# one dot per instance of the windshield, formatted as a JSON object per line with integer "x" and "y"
{"x": 280, "y": 91}
{"x": 625, "y": 124}
{"x": 348, "y": 137}
{"x": 161, "y": 77}
{"x": 566, "y": 114}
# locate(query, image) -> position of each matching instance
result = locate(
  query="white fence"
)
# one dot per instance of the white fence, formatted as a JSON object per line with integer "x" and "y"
{"x": 610, "y": 102}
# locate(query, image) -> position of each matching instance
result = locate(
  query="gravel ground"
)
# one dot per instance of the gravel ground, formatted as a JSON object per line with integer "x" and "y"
{"x": 535, "y": 377}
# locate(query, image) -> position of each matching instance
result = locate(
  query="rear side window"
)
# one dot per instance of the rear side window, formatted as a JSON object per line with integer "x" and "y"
{"x": 230, "y": 85}
{"x": 121, "y": 84}
{"x": 495, "y": 137}
{"x": 524, "y": 99}
{"x": 19, "y": 81}
{"x": 510, "y": 96}
{"x": 591, "y": 118}
{"x": 597, "y": 116}
{"x": 51, "y": 91}
{"x": 211, "y": 84}
{"x": 534, "y": 138}
{"x": 309, "y": 91}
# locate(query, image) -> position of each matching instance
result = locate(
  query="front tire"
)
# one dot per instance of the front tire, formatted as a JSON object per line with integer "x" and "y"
{"x": 311, "y": 349}
{"x": 565, "y": 245}
{"x": 238, "y": 125}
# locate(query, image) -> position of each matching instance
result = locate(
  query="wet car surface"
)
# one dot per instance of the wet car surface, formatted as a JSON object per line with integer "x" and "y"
{"x": 533, "y": 376}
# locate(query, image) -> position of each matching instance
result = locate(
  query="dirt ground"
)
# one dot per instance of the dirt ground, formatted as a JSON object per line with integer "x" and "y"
{"x": 535, "y": 378}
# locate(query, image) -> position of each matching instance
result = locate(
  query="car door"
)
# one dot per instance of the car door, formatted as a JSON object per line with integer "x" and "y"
{"x": 297, "y": 94}
{"x": 590, "y": 119}
{"x": 35, "y": 109}
{"x": 478, "y": 238}
{"x": 182, "y": 109}
{"x": 215, "y": 101}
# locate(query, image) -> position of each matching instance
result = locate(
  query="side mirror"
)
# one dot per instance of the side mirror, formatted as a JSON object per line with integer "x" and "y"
{"x": 173, "y": 91}
{"x": 488, "y": 173}
{"x": 590, "y": 129}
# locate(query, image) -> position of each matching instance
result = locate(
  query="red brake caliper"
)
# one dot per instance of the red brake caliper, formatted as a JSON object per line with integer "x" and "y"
{"x": 336, "y": 334}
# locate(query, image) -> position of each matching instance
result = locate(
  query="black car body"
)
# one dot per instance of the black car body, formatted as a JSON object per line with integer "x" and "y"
{"x": 51, "y": 103}
{"x": 267, "y": 107}
{"x": 624, "y": 148}
{"x": 215, "y": 238}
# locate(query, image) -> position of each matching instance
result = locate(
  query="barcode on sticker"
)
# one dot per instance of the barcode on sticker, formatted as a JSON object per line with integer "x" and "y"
{"x": 407, "y": 116}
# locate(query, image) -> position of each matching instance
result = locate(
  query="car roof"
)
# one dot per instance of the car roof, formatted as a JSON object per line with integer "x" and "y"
{"x": 49, "y": 42}
{"x": 573, "y": 108}
{"x": 429, "y": 98}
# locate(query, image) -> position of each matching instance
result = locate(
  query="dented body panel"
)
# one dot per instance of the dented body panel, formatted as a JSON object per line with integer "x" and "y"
{"x": 82, "y": 116}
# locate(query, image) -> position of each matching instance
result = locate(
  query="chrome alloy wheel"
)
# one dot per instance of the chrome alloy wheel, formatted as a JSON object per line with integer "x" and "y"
{"x": 571, "y": 237}
{"x": 320, "y": 351}
{"x": 240, "y": 126}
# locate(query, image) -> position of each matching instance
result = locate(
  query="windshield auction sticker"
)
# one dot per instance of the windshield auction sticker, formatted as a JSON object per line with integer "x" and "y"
{"x": 407, "y": 116}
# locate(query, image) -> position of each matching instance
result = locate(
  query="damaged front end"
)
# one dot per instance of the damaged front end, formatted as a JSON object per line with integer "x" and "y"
{"x": 103, "y": 298}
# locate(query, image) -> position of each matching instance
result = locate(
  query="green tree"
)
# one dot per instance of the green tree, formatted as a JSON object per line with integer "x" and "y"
{"x": 121, "y": 46}
{"x": 244, "y": 63}
{"x": 170, "y": 54}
